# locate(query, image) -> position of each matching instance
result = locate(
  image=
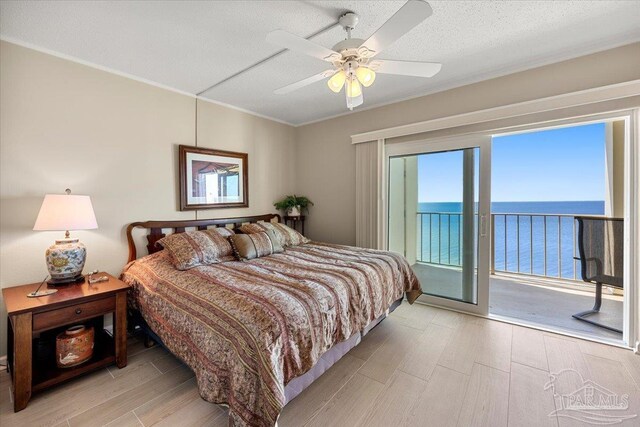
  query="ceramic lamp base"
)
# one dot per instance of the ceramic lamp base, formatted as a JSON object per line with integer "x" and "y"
{"x": 65, "y": 261}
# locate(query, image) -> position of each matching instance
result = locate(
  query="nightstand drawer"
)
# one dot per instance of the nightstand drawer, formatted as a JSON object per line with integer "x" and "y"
{"x": 72, "y": 314}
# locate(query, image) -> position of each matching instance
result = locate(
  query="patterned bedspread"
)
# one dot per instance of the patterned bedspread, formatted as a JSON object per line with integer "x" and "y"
{"x": 248, "y": 328}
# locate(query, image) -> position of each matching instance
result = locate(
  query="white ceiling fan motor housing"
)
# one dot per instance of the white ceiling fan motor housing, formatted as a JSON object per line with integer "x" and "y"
{"x": 348, "y": 21}
{"x": 351, "y": 49}
{"x": 348, "y": 47}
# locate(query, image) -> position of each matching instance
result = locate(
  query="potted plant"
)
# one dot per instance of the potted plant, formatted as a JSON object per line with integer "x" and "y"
{"x": 294, "y": 205}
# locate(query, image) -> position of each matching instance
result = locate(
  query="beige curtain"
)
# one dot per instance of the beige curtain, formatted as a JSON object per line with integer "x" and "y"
{"x": 369, "y": 193}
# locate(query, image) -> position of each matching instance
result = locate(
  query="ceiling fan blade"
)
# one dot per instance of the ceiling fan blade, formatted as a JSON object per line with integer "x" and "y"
{"x": 411, "y": 14}
{"x": 304, "y": 82}
{"x": 406, "y": 68}
{"x": 301, "y": 45}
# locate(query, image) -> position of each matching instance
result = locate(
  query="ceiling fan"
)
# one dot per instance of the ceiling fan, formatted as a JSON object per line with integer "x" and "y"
{"x": 353, "y": 60}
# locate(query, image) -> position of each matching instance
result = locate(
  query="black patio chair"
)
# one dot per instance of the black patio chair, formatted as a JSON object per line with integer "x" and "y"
{"x": 600, "y": 245}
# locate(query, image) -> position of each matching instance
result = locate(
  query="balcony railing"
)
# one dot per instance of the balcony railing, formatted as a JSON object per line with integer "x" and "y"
{"x": 437, "y": 243}
{"x": 532, "y": 244}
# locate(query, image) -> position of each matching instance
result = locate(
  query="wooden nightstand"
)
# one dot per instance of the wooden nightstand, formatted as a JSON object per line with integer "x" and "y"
{"x": 34, "y": 322}
{"x": 295, "y": 220}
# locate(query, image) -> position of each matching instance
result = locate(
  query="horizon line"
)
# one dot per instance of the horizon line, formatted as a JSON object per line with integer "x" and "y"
{"x": 523, "y": 201}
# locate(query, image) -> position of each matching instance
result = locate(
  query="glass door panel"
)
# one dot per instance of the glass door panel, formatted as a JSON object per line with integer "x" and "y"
{"x": 437, "y": 218}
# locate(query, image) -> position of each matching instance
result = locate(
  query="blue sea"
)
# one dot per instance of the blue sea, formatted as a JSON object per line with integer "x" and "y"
{"x": 519, "y": 240}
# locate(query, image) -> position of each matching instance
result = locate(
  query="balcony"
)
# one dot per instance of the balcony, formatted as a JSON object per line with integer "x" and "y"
{"x": 533, "y": 275}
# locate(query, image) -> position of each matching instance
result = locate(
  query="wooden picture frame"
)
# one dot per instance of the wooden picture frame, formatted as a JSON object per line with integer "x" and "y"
{"x": 212, "y": 179}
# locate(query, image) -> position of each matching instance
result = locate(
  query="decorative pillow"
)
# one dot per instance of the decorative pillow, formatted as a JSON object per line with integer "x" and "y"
{"x": 255, "y": 245}
{"x": 251, "y": 228}
{"x": 286, "y": 235}
{"x": 194, "y": 248}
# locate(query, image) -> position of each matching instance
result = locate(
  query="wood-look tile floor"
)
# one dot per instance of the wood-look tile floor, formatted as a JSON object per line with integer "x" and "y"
{"x": 422, "y": 366}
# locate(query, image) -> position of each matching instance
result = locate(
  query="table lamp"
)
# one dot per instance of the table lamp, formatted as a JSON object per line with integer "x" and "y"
{"x": 64, "y": 212}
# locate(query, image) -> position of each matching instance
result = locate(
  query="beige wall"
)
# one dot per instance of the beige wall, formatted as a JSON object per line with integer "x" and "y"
{"x": 271, "y": 149}
{"x": 396, "y": 211}
{"x": 403, "y": 207}
{"x": 325, "y": 157}
{"x": 67, "y": 125}
{"x": 614, "y": 168}
{"x": 618, "y": 168}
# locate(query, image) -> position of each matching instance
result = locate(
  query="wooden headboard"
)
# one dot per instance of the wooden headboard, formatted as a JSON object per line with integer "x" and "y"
{"x": 156, "y": 228}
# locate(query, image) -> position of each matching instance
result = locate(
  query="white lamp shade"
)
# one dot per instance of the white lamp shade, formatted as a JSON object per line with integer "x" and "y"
{"x": 61, "y": 212}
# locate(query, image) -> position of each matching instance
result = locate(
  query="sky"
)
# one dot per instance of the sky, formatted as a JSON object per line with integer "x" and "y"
{"x": 553, "y": 165}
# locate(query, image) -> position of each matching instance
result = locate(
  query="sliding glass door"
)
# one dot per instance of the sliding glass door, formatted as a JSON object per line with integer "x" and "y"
{"x": 438, "y": 217}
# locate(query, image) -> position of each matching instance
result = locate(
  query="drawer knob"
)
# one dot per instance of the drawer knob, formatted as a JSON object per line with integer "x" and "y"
{"x": 78, "y": 310}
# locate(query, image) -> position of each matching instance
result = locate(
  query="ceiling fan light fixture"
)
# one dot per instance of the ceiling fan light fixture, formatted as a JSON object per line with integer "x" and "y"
{"x": 354, "y": 66}
{"x": 336, "y": 82}
{"x": 353, "y": 88}
{"x": 353, "y": 102}
{"x": 366, "y": 76}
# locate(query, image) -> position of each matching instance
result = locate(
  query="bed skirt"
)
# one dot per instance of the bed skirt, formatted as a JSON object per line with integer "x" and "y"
{"x": 328, "y": 359}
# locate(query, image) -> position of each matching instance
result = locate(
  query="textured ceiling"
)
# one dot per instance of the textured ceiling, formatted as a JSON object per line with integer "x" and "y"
{"x": 190, "y": 46}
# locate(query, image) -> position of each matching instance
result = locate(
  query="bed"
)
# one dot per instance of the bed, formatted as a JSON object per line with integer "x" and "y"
{"x": 256, "y": 333}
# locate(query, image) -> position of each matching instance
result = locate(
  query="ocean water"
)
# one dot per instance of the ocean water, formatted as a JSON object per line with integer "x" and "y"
{"x": 520, "y": 241}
